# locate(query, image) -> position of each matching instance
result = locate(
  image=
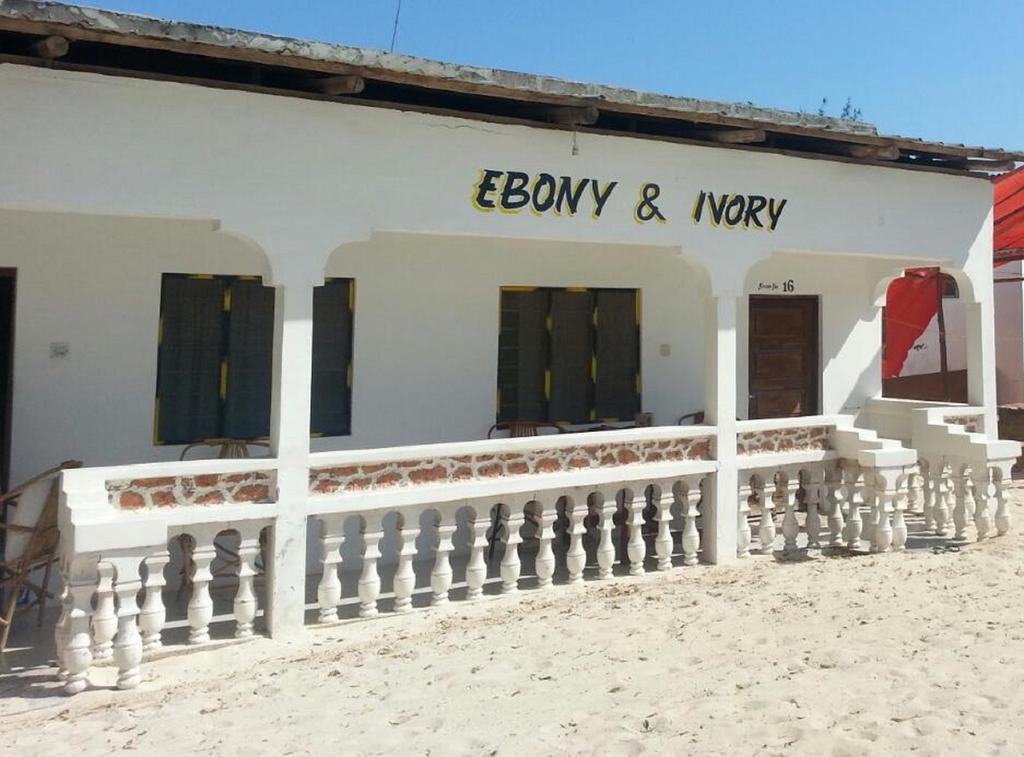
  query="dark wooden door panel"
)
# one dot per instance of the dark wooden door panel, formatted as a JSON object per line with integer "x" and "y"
{"x": 782, "y": 361}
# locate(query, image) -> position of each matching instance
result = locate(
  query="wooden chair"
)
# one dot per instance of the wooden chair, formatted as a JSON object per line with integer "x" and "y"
{"x": 30, "y": 545}
{"x": 521, "y": 429}
{"x": 226, "y": 561}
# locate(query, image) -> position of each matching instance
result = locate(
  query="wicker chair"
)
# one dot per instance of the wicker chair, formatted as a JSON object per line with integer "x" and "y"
{"x": 30, "y": 545}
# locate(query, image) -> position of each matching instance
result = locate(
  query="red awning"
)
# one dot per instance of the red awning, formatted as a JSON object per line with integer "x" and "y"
{"x": 910, "y": 304}
{"x": 1008, "y": 209}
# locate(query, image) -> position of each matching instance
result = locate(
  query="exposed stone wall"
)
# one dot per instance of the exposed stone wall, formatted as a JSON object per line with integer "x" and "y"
{"x": 783, "y": 440}
{"x": 206, "y": 489}
{"x": 971, "y": 423}
{"x": 439, "y": 470}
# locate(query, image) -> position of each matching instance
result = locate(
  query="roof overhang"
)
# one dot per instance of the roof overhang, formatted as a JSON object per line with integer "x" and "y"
{"x": 78, "y": 38}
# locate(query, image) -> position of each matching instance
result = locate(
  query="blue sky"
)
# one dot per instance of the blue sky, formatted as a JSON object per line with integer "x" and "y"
{"x": 937, "y": 69}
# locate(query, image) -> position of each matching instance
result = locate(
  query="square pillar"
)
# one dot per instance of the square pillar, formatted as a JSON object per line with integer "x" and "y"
{"x": 981, "y": 361}
{"x": 720, "y": 508}
{"x": 289, "y": 441}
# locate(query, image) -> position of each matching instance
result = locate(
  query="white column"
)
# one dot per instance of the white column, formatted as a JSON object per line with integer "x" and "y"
{"x": 720, "y": 506}
{"x": 289, "y": 438}
{"x": 981, "y": 352}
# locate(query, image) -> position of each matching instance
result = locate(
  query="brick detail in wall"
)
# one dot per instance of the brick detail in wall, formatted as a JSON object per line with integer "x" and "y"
{"x": 783, "y": 440}
{"x": 182, "y": 491}
{"x": 446, "y": 470}
{"x": 971, "y": 423}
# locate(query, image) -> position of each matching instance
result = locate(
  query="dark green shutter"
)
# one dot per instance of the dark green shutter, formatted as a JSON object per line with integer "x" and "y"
{"x": 572, "y": 350}
{"x": 522, "y": 355}
{"x": 618, "y": 355}
{"x": 188, "y": 374}
{"x": 331, "y": 411}
{"x": 250, "y": 360}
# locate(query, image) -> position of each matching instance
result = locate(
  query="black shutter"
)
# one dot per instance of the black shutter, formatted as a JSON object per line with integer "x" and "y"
{"x": 250, "y": 360}
{"x": 522, "y": 355}
{"x": 331, "y": 411}
{"x": 188, "y": 374}
{"x": 618, "y": 355}
{"x": 572, "y": 350}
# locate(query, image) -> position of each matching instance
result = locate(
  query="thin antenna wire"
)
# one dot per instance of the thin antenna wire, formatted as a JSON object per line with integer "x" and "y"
{"x": 394, "y": 30}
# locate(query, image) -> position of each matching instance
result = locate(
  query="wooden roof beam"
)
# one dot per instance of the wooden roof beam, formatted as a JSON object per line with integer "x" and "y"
{"x": 870, "y": 152}
{"x": 569, "y": 115}
{"x": 51, "y": 47}
{"x": 731, "y": 136}
{"x": 343, "y": 84}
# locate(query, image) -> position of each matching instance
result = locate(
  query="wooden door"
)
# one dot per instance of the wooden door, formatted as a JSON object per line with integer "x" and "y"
{"x": 783, "y": 363}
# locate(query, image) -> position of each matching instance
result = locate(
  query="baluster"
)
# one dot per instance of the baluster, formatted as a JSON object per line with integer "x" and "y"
{"x": 369, "y": 579}
{"x": 104, "y": 617}
{"x": 576, "y": 557}
{"x": 814, "y": 484}
{"x": 940, "y": 496}
{"x": 691, "y": 537}
{"x": 742, "y": 521}
{"x": 62, "y": 630}
{"x": 476, "y": 568}
{"x": 606, "y": 547}
{"x": 869, "y": 495}
{"x": 834, "y": 496}
{"x": 441, "y": 575}
{"x": 512, "y": 521}
{"x": 328, "y": 591}
{"x": 958, "y": 474}
{"x": 154, "y": 614}
{"x": 854, "y": 524}
{"x": 884, "y": 494}
{"x": 635, "y": 546}
{"x": 787, "y": 486}
{"x": 200, "y": 604}
{"x": 899, "y": 525}
{"x": 405, "y": 577}
{"x": 1001, "y": 474}
{"x": 245, "y": 598}
{"x": 927, "y": 494}
{"x": 766, "y": 524}
{"x": 128, "y": 642}
{"x": 545, "y": 562}
{"x": 80, "y": 577}
{"x": 980, "y": 478}
{"x": 663, "y": 542}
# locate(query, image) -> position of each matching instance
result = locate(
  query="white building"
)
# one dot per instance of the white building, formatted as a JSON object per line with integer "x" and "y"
{"x": 215, "y": 233}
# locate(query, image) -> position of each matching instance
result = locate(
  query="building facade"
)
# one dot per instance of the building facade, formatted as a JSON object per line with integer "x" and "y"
{"x": 373, "y": 284}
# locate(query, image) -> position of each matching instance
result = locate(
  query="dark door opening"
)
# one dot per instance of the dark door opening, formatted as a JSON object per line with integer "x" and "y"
{"x": 7, "y": 287}
{"x": 783, "y": 359}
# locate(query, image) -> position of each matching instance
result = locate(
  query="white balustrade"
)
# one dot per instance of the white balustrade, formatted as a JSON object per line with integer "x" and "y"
{"x": 476, "y": 569}
{"x": 766, "y": 525}
{"x": 441, "y": 575}
{"x": 405, "y": 577}
{"x": 663, "y": 541}
{"x": 104, "y": 617}
{"x": 743, "y": 533}
{"x": 787, "y": 485}
{"x": 244, "y": 605}
{"x": 512, "y": 520}
{"x": 328, "y": 591}
{"x": 200, "y": 604}
{"x": 834, "y": 498}
{"x": 128, "y": 642}
{"x": 814, "y": 483}
{"x": 980, "y": 480}
{"x": 545, "y": 561}
{"x": 960, "y": 514}
{"x": 1001, "y": 476}
{"x": 635, "y": 547}
{"x": 691, "y": 537}
{"x": 153, "y": 614}
{"x": 369, "y": 580}
{"x": 853, "y": 530}
{"x": 576, "y": 556}
{"x": 606, "y": 547}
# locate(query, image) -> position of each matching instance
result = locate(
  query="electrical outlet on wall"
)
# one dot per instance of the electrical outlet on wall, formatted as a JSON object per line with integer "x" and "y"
{"x": 59, "y": 349}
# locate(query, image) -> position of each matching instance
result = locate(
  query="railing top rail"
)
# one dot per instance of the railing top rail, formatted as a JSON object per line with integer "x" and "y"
{"x": 84, "y": 477}
{"x": 518, "y": 488}
{"x": 771, "y": 424}
{"x": 777, "y": 460}
{"x": 488, "y": 446}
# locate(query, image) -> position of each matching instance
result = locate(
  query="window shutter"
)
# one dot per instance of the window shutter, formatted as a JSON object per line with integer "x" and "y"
{"x": 189, "y": 370}
{"x": 522, "y": 355}
{"x": 618, "y": 355}
{"x": 331, "y": 411}
{"x": 572, "y": 350}
{"x": 249, "y": 360}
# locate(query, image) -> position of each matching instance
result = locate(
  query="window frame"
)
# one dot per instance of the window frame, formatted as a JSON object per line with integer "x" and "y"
{"x": 592, "y": 418}
{"x": 225, "y": 348}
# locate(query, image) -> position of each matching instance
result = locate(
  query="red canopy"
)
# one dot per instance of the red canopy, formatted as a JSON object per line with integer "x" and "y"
{"x": 910, "y": 304}
{"x": 1008, "y": 209}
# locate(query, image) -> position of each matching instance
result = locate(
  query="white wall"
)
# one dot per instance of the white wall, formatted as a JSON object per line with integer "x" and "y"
{"x": 1009, "y": 305}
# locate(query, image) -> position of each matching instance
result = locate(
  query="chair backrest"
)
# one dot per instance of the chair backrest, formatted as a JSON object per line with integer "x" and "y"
{"x": 521, "y": 429}
{"x": 34, "y": 505}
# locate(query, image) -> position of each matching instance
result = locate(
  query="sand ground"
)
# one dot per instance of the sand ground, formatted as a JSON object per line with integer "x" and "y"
{"x": 872, "y": 654}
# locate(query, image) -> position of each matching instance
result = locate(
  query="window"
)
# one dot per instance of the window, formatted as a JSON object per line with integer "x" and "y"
{"x": 214, "y": 371}
{"x": 568, "y": 355}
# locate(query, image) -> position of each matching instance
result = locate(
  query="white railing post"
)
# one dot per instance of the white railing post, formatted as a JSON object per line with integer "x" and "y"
{"x": 663, "y": 542}
{"x": 743, "y": 533}
{"x": 766, "y": 523}
{"x": 441, "y": 575}
{"x": 104, "y": 617}
{"x": 606, "y": 547}
{"x": 153, "y": 613}
{"x": 476, "y": 568}
{"x": 369, "y": 580}
{"x": 635, "y": 547}
{"x": 405, "y": 577}
{"x": 576, "y": 557}
{"x": 79, "y": 572}
{"x": 854, "y": 525}
{"x": 128, "y": 642}
{"x": 244, "y": 605}
{"x": 328, "y": 590}
{"x": 511, "y": 567}
{"x": 1001, "y": 474}
{"x": 787, "y": 486}
{"x": 545, "y": 562}
{"x": 980, "y": 478}
{"x": 200, "y": 604}
{"x": 691, "y": 536}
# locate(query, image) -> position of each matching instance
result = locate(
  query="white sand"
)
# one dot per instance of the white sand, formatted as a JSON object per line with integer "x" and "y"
{"x": 883, "y": 654}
